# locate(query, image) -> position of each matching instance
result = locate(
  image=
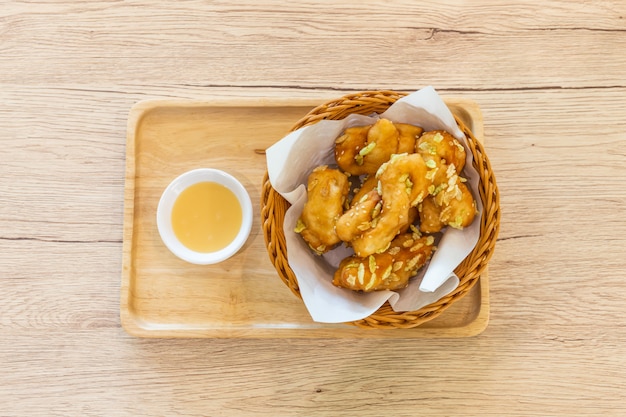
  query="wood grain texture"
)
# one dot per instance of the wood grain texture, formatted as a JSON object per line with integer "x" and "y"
{"x": 550, "y": 80}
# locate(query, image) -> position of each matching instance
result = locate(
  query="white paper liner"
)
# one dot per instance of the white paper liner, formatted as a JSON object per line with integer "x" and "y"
{"x": 289, "y": 163}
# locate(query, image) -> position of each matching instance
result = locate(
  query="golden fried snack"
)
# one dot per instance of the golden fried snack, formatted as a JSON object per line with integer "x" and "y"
{"x": 429, "y": 213}
{"x": 370, "y": 183}
{"x": 363, "y": 150}
{"x": 327, "y": 190}
{"x": 440, "y": 150}
{"x": 358, "y": 217}
{"x": 382, "y": 142}
{"x": 389, "y": 270}
{"x": 408, "y": 137}
{"x": 408, "y": 170}
{"x": 458, "y": 207}
{"x": 450, "y": 203}
{"x": 402, "y": 185}
{"x": 441, "y": 147}
{"x": 413, "y": 215}
{"x": 348, "y": 147}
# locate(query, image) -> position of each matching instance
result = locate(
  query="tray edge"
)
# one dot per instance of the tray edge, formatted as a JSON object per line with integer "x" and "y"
{"x": 134, "y": 326}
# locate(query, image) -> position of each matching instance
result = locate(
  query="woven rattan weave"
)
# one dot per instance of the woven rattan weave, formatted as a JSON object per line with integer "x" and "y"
{"x": 274, "y": 206}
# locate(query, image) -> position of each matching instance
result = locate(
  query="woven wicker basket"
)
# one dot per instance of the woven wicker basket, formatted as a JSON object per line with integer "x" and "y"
{"x": 274, "y": 206}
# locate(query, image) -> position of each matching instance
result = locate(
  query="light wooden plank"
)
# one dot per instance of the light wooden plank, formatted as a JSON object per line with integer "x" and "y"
{"x": 549, "y": 78}
{"x": 507, "y": 45}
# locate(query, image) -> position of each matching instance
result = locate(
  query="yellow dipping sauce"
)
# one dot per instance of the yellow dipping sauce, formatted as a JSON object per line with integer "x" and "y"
{"x": 206, "y": 217}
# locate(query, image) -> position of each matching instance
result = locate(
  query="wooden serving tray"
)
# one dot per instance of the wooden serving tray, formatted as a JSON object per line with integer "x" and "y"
{"x": 243, "y": 297}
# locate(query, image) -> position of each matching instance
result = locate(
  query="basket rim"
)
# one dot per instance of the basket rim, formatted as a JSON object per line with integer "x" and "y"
{"x": 273, "y": 204}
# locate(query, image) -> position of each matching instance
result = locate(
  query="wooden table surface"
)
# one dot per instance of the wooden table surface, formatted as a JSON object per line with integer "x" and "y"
{"x": 551, "y": 82}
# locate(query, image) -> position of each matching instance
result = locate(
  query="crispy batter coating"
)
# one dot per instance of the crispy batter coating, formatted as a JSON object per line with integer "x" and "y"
{"x": 364, "y": 149}
{"x": 458, "y": 207}
{"x": 402, "y": 185}
{"x": 408, "y": 137}
{"x": 408, "y": 170}
{"x": 382, "y": 142}
{"x": 442, "y": 148}
{"x": 413, "y": 216}
{"x": 370, "y": 183}
{"x": 348, "y": 146}
{"x": 327, "y": 190}
{"x": 452, "y": 203}
{"x": 389, "y": 270}
{"x": 429, "y": 213}
{"x": 358, "y": 217}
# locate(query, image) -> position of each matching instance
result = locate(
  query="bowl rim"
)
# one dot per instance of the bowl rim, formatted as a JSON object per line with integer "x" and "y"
{"x": 171, "y": 193}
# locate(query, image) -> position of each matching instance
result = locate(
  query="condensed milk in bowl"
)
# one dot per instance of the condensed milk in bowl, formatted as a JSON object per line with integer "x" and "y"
{"x": 204, "y": 216}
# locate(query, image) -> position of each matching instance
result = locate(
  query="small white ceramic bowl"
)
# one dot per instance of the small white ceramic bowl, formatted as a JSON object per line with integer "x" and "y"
{"x": 164, "y": 215}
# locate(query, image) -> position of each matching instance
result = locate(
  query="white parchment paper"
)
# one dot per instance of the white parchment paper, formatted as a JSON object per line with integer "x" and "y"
{"x": 289, "y": 163}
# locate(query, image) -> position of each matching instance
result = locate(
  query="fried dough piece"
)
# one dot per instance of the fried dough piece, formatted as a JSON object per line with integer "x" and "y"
{"x": 413, "y": 215}
{"x": 440, "y": 149}
{"x": 382, "y": 142}
{"x": 408, "y": 170}
{"x": 389, "y": 270}
{"x": 402, "y": 185}
{"x": 429, "y": 213}
{"x": 348, "y": 146}
{"x": 451, "y": 204}
{"x": 359, "y": 217}
{"x": 363, "y": 150}
{"x": 327, "y": 190}
{"x": 458, "y": 206}
{"x": 370, "y": 183}
{"x": 408, "y": 137}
